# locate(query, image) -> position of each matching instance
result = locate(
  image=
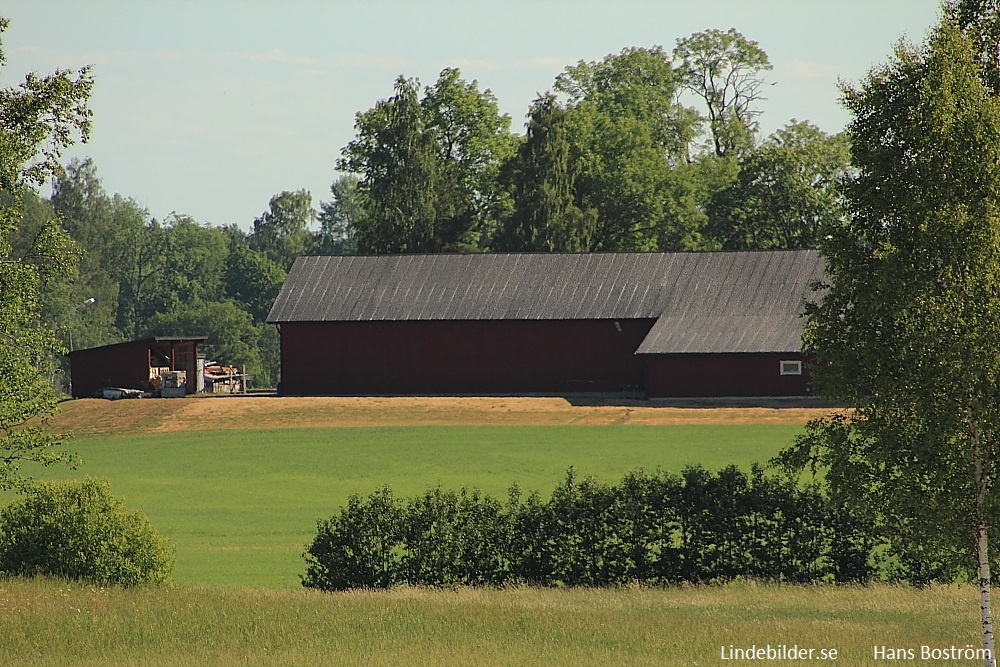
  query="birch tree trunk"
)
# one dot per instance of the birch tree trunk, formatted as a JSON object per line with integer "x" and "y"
{"x": 982, "y": 545}
{"x": 982, "y": 553}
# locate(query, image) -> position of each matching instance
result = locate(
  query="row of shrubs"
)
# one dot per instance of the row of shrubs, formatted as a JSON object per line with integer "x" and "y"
{"x": 651, "y": 528}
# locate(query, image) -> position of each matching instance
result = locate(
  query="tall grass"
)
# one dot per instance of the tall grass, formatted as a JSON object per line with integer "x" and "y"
{"x": 53, "y": 623}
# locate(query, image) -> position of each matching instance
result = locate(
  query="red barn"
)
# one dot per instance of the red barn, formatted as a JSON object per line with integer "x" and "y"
{"x": 658, "y": 324}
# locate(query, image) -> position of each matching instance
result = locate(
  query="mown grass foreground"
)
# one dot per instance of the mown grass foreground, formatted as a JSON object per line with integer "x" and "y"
{"x": 240, "y": 506}
{"x": 54, "y": 623}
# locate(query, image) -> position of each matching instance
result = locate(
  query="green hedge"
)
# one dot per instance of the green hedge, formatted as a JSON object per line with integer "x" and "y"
{"x": 650, "y": 528}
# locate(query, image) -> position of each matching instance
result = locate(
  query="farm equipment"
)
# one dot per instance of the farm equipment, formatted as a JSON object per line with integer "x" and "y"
{"x": 173, "y": 384}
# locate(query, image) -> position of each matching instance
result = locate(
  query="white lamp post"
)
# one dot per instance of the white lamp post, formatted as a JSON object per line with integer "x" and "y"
{"x": 78, "y": 307}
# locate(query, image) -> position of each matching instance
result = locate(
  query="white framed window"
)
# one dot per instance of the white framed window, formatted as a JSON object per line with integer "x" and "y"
{"x": 790, "y": 367}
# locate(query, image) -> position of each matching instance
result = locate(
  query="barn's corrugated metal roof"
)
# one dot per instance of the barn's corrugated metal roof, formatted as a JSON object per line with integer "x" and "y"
{"x": 705, "y": 302}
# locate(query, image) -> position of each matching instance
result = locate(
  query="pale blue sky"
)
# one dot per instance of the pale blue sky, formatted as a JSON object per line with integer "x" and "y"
{"x": 210, "y": 108}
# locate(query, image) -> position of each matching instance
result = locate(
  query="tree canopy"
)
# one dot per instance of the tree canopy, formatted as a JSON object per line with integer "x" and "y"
{"x": 443, "y": 173}
{"x": 281, "y": 232}
{"x": 724, "y": 69}
{"x": 785, "y": 194}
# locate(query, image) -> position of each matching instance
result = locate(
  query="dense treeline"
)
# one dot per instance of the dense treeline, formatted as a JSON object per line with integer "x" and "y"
{"x": 138, "y": 276}
{"x": 612, "y": 159}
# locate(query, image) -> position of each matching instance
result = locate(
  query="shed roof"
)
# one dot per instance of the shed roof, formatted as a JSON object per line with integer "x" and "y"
{"x": 704, "y": 302}
{"x": 140, "y": 342}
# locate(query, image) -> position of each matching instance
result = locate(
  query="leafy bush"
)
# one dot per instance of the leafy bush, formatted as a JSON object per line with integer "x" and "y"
{"x": 574, "y": 538}
{"x": 80, "y": 530}
{"x": 359, "y": 546}
{"x": 456, "y": 538}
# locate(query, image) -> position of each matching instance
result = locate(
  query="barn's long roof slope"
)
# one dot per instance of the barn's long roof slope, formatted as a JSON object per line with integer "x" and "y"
{"x": 703, "y": 302}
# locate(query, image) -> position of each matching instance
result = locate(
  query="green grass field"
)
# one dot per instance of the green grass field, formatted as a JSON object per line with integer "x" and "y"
{"x": 240, "y": 506}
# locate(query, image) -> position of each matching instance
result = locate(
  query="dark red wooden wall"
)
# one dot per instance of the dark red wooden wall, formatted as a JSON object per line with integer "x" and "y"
{"x": 683, "y": 375}
{"x": 461, "y": 357}
{"x": 125, "y": 365}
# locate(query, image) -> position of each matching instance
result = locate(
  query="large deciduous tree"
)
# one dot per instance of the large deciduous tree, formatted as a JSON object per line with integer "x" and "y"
{"x": 629, "y": 140}
{"x": 38, "y": 119}
{"x": 472, "y": 141}
{"x": 428, "y": 167}
{"x": 640, "y": 84}
{"x": 140, "y": 261}
{"x": 725, "y": 70}
{"x": 281, "y": 232}
{"x": 620, "y": 173}
{"x": 122, "y": 265}
{"x": 339, "y": 217}
{"x": 252, "y": 280}
{"x": 786, "y": 192}
{"x": 395, "y": 156}
{"x": 907, "y": 330}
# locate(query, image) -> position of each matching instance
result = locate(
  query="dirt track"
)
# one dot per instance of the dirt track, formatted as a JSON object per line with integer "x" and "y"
{"x": 94, "y": 416}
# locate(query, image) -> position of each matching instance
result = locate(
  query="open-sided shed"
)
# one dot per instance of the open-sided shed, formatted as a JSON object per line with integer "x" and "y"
{"x": 660, "y": 324}
{"x": 134, "y": 364}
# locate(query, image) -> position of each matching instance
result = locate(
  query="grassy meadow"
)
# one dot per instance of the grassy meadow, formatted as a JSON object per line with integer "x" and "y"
{"x": 53, "y": 623}
{"x": 240, "y": 505}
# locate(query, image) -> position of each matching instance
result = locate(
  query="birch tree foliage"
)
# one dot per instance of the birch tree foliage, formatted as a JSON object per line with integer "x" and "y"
{"x": 980, "y": 21}
{"x": 38, "y": 119}
{"x": 907, "y": 330}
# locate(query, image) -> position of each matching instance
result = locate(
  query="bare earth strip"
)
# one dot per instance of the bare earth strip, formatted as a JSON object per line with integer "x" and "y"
{"x": 91, "y": 417}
